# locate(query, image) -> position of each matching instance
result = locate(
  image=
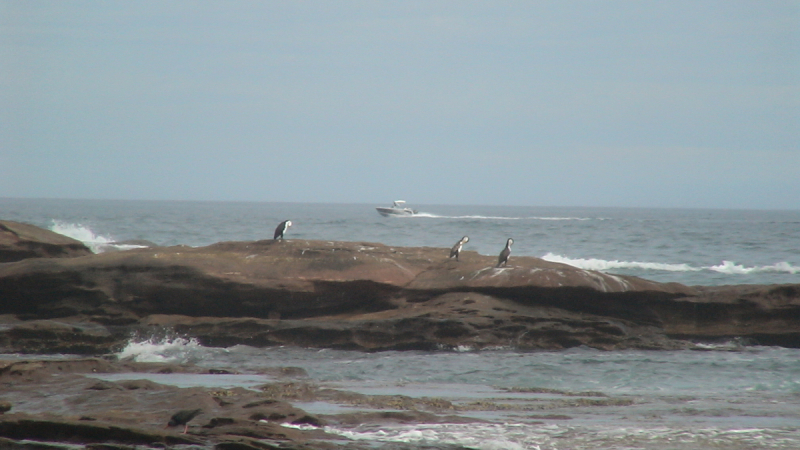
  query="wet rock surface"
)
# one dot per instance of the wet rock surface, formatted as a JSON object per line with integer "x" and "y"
{"x": 63, "y": 401}
{"x": 366, "y": 296}
{"x": 68, "y": 402}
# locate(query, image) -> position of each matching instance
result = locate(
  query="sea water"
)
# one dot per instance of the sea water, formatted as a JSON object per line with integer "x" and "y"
{"x": 725, "y": 397}
{"x": 730, "y": 396}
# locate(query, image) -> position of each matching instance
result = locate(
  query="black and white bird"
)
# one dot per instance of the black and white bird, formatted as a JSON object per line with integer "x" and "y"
{"x": 183, "y": 417}
{"x": 457, "y": 248}
{"x": 503, "y": 259}
{"x": 282, "y": 227}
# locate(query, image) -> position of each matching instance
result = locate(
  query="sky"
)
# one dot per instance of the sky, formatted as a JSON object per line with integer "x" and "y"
{"x": 680, "y": 103}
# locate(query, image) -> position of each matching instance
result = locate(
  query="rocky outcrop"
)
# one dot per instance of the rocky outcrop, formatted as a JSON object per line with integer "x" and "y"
{"x": 766, "y": 315}
{"x": 122, "y": 414}
{"x": 20, "y": 241}
{"x": 354, "y": 295}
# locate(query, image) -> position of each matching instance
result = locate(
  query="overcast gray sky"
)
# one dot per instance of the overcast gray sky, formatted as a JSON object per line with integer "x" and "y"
{"x": 576, "y": 103}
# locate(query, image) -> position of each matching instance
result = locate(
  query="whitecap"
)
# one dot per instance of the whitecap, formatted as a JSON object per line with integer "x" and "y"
{"x": 603, "y": 265}
{"x": 730, "y": 267}
{"x": 82, "y": 233}
{"x": 726, "y": 267}
{"x": 473, "y": 435}
{"x": 97, "y": 243}
{"x": 165, "y": 349}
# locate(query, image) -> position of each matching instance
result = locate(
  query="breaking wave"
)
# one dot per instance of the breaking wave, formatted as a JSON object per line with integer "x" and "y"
{"x": 479, "y": 436}
{"x": 518, "y": 436}
{"x": 738, "y": 269}
{"x": 726, "y": 267}
{"x": 161, "y": 349}
{"x": 97, "y": 243}
{"x": 603, "y": 265}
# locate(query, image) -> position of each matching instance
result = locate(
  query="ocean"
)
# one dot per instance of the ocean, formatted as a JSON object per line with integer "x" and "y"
{"x": 728, "y": 396}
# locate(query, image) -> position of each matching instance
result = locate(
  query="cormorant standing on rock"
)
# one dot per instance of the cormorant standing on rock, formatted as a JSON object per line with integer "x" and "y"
{"x": 503, "y": 259}
{"x": 183, "y": 417}
{"x": 282, "y": 227}
{"x": 457, "y": 248}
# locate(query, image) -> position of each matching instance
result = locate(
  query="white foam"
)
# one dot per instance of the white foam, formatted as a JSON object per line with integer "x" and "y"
{"x": 603, "y": 265}
{"x": 80, "y": 232}
{"x": 726, "y": 267}
{"x": 518, "y": 436}
{"x": 478, "y": 217}
{"x": 437, "y": 216}
{"x": 96, "y": 243}
{"x": 732, "y": 268}
{"x": 169, "y": 349}
{"x": 484, "y": 436}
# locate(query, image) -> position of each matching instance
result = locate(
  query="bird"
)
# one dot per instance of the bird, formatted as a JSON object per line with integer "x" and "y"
{"x": 503, "y": 259}
{"x": 183, "y": 417}
{"x": 457, "y": 248}
{"x": 282, "y": 227}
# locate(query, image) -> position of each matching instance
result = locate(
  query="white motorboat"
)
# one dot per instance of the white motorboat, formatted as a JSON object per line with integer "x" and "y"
{"x": 398, "y": 208}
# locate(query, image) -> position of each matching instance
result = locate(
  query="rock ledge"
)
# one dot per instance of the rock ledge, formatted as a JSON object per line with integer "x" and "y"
{"x": 367, "y": 296}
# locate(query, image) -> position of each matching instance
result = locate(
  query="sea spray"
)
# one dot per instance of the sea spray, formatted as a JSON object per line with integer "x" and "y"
{"x": 164, "y": 346}
{"x": 97, "y": 243}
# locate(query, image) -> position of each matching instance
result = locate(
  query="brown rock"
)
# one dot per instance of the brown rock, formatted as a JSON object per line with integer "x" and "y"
{"x": 75, "y": 335}
{"x": 82, "y": 432}
{"x": 75, "y": 408}
{"x": 355, "y": 295}
{"x": 20, "y": 241}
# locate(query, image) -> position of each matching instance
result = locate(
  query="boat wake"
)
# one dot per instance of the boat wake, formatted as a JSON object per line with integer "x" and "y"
{"x": 479, "y": 217}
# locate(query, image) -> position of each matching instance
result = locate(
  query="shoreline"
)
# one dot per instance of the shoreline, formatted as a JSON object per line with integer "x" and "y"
{"x": 107, "y": 403}
{"x": 369, "y": 297}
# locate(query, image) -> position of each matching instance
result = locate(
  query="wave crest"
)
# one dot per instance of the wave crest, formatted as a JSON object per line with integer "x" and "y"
{"x": 732, "y": 268}
{"x": 726, "y": 267}
{"x": 97, "y": 243}
{"x": 160, "y": 349}
{"x": 602, "y": 264}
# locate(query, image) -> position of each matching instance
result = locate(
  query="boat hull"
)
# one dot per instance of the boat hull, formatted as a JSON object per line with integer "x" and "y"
{"x": 387, "y": 212}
